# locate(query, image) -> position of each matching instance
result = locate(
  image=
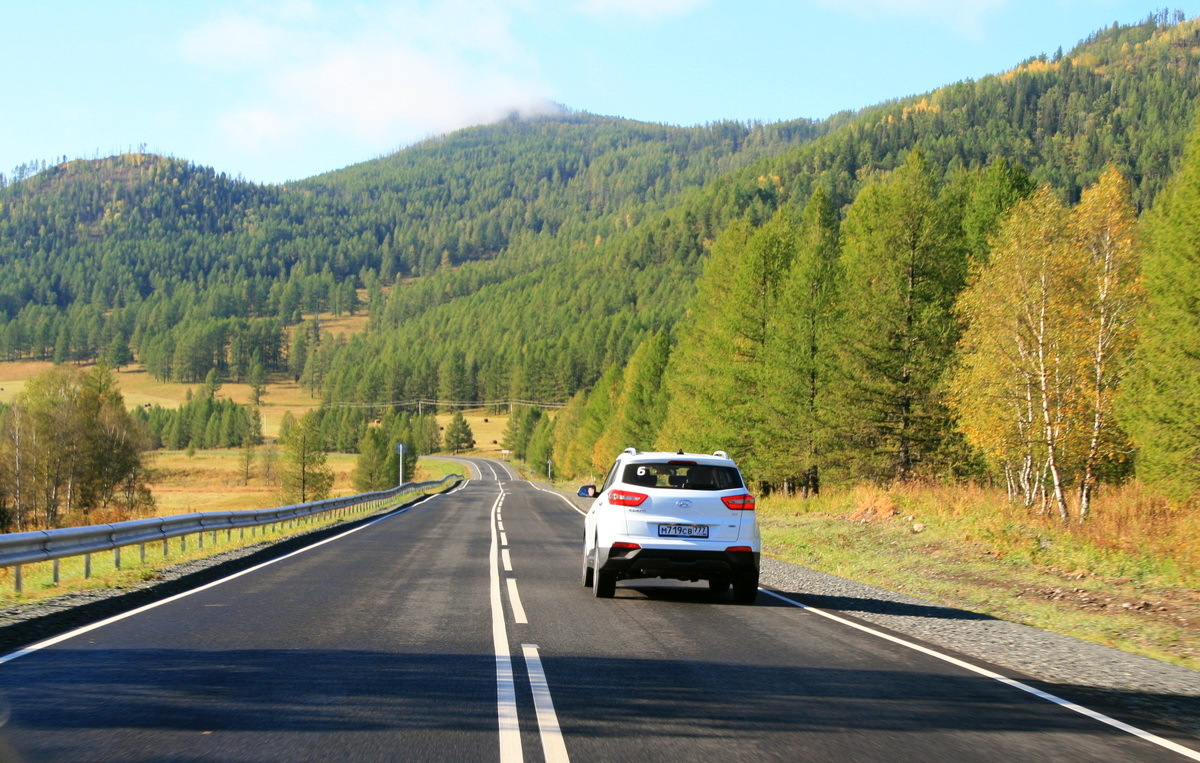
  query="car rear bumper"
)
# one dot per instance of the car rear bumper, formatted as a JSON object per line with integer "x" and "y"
{"x": 679, "y": 564}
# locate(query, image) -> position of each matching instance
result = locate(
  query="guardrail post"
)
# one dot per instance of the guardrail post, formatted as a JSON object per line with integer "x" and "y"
{"x": 87, "y": 566}
{"x": 183, "y": 544}
{"x": 142, "y": 550}
{"x": 166, "y": 548}
{"x": 117, "y": 557}
{"x": 18, "y": 583}
{"x": 55, "y": 573}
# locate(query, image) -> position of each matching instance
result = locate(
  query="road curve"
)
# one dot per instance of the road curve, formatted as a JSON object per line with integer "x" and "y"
{"x": 457, "y": 629}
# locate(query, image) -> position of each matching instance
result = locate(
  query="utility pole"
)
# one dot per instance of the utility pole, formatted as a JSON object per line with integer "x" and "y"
{"x": 400, "y": 453}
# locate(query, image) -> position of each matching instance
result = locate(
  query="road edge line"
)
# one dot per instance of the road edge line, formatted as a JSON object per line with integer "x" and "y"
{"x": 1187, "y": 752}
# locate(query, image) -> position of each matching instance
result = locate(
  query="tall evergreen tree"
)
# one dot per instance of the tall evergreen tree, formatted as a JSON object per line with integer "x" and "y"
{"x": 904, "y": 264}
{"x": 795, "y": 426}
{"x": 305, "y": 475}
{"x": 1160, "y": 404}
{"x": 458, "y": 434}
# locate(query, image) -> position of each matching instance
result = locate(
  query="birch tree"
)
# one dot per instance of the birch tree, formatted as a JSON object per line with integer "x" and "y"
{"x": 1049, "y": 331}
{"x": 1012, "y": 391}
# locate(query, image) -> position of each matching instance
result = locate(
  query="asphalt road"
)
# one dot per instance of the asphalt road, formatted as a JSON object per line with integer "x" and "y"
{"x": 458, "y": 630}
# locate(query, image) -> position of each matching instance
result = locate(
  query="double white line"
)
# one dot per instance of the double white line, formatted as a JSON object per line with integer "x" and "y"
{"x": 553, "y": 747}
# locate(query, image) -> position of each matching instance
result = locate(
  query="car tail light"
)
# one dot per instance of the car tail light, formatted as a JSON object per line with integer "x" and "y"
{"x": 626, "y": 498}
{"x": 626, "y": 545}
{"x": 745, "y": 549}
{"x": 743, "y": 502}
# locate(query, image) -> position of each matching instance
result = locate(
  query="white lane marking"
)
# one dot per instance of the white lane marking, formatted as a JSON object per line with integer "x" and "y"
{"x": 500, "y": 523}
{"x": 559, "y": 495}
{"x": 514, "y": 600}
{"x": 475, "y": 472}
{"x": 1147, "y": 736}
{"x": 553, "y": 746}
{"x": 147, "y": 607}
{"x": 506, "y": 690}
{"x": 503, "y": 539}
{"x": 492, "y": 469}
{"x": 507, "y": 560}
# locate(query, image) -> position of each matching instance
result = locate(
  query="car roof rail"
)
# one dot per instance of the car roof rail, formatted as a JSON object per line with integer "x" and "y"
{"x": 720, "y": 454}
{"x": 631, "y": 451}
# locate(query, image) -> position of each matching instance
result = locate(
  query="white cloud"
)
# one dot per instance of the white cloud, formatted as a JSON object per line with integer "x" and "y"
{"x": 645, "y": 10}
{"x": 377, "y": 77}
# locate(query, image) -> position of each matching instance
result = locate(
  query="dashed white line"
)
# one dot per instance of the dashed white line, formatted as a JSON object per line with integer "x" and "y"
{"x": 1145, "y": 735}
{"x": 503, "y": 539}
{"x": 506, "y": 690}
{"x": 514, "y": 600}
{"x": 553, "y": 746}
{"x": 504, "y": 555}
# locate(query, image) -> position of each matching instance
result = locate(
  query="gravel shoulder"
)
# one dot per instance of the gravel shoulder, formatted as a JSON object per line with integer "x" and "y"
{"x": 1062, "y": 665}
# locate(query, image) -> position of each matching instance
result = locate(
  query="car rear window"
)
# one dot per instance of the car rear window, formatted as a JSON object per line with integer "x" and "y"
{"x": 682, "y": 476}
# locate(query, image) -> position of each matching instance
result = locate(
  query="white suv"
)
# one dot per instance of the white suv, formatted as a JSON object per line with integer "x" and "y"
{"x": 683, "y": 516}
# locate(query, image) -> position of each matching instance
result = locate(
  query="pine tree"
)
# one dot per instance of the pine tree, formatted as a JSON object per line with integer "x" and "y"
{"x": 795, "y": 428}
{"x": 904, "y": 264}
{"x": 458, "y": 435}
{"x": 1160, "y": 403}
{"x": 118, "y": 353}
{"x": 305, "y": 475}
{"x": 370, "y": 470}
{"x": 714, "y": 397}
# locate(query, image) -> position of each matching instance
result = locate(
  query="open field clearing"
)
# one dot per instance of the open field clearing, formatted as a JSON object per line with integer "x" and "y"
{"x": 488, "y": 429}
{"x": 211, "y": 480}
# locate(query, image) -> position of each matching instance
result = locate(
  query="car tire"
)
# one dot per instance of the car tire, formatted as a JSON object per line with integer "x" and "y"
{"x": 588, "y": 572}
{"x": 745, "y": 588}
{"x": 604, "y": 586}
{"x": 718, "y": 587}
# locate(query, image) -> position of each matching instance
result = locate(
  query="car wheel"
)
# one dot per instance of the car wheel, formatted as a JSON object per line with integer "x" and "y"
{"x": 605, "y": 585}
{"x": 718, "y": 587}
{"x": 588, "y": 572}
{"x": 745, "y": 588}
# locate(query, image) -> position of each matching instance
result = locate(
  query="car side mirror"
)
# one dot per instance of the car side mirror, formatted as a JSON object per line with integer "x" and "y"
{"x": 587, "y": 491}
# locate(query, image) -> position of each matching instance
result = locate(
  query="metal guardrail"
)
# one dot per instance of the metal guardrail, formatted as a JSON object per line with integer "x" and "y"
{"x": 17, "y": 549}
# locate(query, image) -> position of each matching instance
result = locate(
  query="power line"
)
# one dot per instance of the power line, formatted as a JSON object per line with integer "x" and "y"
{"x": 421, "y": 403}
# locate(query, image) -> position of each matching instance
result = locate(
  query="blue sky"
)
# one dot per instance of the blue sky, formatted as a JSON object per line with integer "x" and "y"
{"x": 284, "y": 89}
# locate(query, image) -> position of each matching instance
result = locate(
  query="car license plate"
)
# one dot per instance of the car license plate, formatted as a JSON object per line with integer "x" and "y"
{"x": 683, "y": 531}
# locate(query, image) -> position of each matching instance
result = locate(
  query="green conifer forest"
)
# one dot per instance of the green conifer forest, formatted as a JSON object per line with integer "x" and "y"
{"x": 821, "y": 298}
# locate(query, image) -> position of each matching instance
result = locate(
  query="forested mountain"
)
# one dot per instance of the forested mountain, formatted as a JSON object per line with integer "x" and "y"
{"x": 196, "y": 270}
{"x": 530, "y": 258}
{"x": 549, "y": 316}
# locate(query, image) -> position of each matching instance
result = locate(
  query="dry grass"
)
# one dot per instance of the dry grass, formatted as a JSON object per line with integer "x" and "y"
{"x": 211, "y": 480}
{"x": 208, "y": 481}
{"x": 141, "y": 389}
{"x": 487, "y": 428}
{"x": 1127, "y": 578}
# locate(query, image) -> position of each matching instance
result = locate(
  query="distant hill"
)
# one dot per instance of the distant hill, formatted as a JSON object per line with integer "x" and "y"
{"x": 521, "y": 258}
